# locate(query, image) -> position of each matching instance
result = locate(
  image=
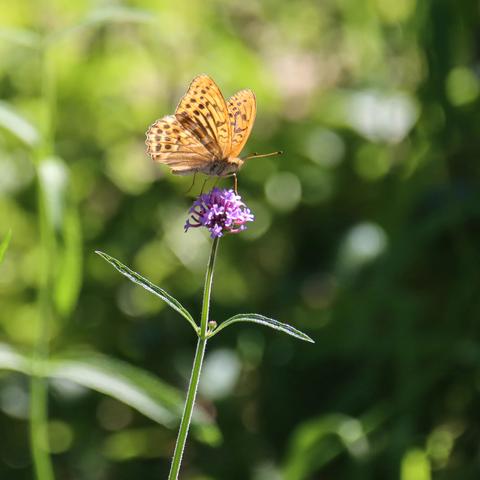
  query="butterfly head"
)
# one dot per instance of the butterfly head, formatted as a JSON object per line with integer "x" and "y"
{"x": 223, "y": 168}
{"x": 234, "y": 165}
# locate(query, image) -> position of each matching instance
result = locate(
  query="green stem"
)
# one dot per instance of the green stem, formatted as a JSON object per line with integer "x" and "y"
{"x": 188, "y": 410}
{"x": 207, "y": 289}
{"x": 42, "y": 462}
{"x": 196, "y": 370}
{"x": 38, "y": 388}
{"x": 38, "y": 429}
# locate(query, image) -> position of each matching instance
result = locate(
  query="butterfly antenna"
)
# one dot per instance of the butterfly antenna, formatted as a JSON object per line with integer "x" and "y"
{"x": 263, "y": 155}
{"x": 193, "y": 183}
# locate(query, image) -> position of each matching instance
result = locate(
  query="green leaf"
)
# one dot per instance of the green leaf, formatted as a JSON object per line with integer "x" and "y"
{"x": 268, "y": 322}
{"x": 133, "y": 386}
{"x": 21, "y": 37}
{"x": 17, "y": 125}
{"x": 103, "y": 16}
{"x": 69, "y": 277}
{"x": 148, "y": 285}
{"x": 120, "y": 14}
{"x": 128, "y": 384}
{"x": 318, "y": 441}
{"x": 4, "y": 244}
{"x": 10, "y": 359}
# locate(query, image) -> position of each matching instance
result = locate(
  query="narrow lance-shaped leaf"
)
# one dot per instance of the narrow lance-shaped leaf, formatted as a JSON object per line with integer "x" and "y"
{"x": 21, "y": 37}
{"x": 148, "y": 285}
{"x": 100, "y": 17}
{"x": 131, "y": 385}
{"x": 11, "y": 359}
{"x": 16, "y": 124}
{"x": 4, "y": 244}
{"x": 120, "y": 380}
{"x": 268, "y": 322}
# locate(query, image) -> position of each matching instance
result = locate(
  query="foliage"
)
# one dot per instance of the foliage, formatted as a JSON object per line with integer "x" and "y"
{"x": 4, "y": 245}
{"x": 366, "y": 235}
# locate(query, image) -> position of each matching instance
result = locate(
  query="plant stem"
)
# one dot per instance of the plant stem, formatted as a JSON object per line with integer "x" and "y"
{"x": 38, "y": 429}
{"x": 196, "y": 369}
{"x": 38, "y": 387}
{"x": 207, "y": 289}
{"x": 42, "y": 462}
{"x": 188, "y": 410}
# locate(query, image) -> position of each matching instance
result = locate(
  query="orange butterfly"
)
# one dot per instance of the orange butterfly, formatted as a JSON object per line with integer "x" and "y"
{"x": 206, "y": 134}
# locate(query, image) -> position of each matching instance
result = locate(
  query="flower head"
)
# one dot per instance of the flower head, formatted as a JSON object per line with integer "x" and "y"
{"x": 221, "y": 211}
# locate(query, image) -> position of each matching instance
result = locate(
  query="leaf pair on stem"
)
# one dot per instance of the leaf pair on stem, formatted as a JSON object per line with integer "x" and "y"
{"x": 176, "y": 305}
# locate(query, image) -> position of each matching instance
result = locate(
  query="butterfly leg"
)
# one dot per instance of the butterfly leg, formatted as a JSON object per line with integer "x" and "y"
{"x": 235, "y": 182}
{"x": 203, "y": 185}
{"x": 193, "y": 183}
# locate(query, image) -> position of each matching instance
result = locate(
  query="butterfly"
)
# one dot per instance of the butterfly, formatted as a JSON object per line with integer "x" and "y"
{"x": 206, "y": 133}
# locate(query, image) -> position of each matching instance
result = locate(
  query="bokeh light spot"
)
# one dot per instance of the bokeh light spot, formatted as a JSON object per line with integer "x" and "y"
{"x": 372, "y": 162}
{"x": 220, "y": 374}
{"x": 60, "y": 436}
{"x": 363, "y": 243}
{"x": 325, "y": 147}
{"x": 382, "y": 117}
{"x": 283, "y": 191}
{"x": 393, "y": 11}
{"x": 14, "y": 399}
{"x": 16, "y": 172}
{"x": 128, "y": 170}
{"x": 54, "y": 177}
{"x": 441, "y": 441}
{"x": 352, "y": 434}
{"x": 415, "y": 466}
{"x": 113, "y": 415}
{"x": 263, "y": 220}
{"x": 462, "y": 86}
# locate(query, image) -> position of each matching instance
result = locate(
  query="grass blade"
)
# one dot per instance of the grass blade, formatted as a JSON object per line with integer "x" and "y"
{"x": 21, "y": 37}
{"x": 131, "y": 385}
{"x": 16, "y": 124}
{"x": 4, "y": 244}
{"x": 11, "y": 359}
{"x": 128, "y": 384}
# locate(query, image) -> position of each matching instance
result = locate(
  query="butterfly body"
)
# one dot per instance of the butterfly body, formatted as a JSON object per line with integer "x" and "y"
{"x": 206, "y": 134}
{"x": 224, "y": 167}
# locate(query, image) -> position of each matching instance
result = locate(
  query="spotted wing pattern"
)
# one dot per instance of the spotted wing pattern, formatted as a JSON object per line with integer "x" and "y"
{"x": 204, "y": 113}
{"x": 242, "y": 108}
{"x": 169, "y": 142}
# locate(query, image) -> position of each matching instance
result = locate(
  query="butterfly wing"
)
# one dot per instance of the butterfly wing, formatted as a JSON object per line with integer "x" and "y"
{"x": 170, "y": 143}
{"x": 242, "y": 108}
{"x": 203, "y": 112}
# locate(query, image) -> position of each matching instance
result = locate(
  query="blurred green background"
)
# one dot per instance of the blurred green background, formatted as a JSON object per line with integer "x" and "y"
{"x": 366, "y": 237}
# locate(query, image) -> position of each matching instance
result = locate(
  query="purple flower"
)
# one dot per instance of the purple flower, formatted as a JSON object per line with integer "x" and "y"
{"x": 221, "y": 211}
